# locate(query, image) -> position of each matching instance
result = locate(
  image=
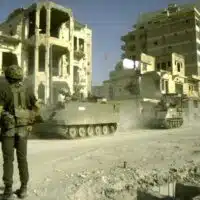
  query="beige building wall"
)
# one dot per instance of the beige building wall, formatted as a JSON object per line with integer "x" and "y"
{"x": 42, "y": 36}
{"x": 84, "y": 65}
{"x": 159, "y": 75}
{"x": 147, "y": 63}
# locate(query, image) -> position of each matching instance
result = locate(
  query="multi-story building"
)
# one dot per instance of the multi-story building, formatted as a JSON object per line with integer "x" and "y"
{"x": 167, "y": 76}
{"x": 122, "y": 83}
{"x": 174, "y": 29}
{"x": 171, "y": 77}
{"x": 53, "y": 48}
{"x": 159, "y": 75}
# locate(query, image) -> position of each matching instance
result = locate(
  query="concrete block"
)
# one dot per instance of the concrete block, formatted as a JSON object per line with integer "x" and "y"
{"x": 186, "y": 191}
{"x": 151, "y": 195}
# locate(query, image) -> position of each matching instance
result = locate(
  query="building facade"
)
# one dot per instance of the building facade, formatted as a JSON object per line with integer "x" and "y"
{"x": 171, "y": 77}
{"x": 174, "y": 29}
{"x": 53, "y": 48}
{"x": 158, "y": 75}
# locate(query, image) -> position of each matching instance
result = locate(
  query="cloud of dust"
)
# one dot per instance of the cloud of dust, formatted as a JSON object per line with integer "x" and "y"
{"x": 130, "y": 120}
{"x": 190, "y": 119}
{"x": 128, "y": 115}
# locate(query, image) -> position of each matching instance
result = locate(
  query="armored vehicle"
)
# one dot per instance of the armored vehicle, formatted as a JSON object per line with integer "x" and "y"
{"x": 164, "y": 113}
{"x": 79, "y": 119}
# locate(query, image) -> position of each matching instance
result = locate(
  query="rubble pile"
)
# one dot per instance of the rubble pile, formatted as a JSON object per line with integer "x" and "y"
{"x": 121, "y": 183}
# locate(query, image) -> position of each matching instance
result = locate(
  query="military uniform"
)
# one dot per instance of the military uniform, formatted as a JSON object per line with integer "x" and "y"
{"x": 19, "y": 113}
{"x": 63, "y": 97}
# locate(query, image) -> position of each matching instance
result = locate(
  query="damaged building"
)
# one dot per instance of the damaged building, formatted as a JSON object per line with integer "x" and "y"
{"x": 54, "y": 49}
{"x": 168, "y": 69}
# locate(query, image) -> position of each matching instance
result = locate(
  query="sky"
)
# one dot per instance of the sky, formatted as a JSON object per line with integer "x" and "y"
{"x": 108, "y": 19}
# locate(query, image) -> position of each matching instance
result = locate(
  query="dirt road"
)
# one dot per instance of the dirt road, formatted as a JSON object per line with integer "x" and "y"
{"x": 51, "y": 162}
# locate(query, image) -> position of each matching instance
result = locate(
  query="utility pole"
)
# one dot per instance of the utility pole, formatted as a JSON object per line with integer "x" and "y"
{"x": 137, "y": 74}
{"x": 50, "y": 75}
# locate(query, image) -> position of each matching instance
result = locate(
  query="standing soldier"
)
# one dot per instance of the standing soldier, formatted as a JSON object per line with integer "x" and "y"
{"x": 63, "y": 97}
{"x": 20, "y": 111}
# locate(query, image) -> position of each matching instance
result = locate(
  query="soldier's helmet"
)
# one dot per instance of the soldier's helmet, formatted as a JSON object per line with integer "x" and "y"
{"x": 14, "y": 72}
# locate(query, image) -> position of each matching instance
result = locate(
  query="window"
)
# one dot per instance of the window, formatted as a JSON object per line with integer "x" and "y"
{"x": 158, "y": 66}
{"x": 166, "y": 86}
{"x": 155, "y": 43}
{"x": 132, "y": 47}
{"x": 163, "y": 84}
{"x": 163, "y": 67}
{"x": 144, "y": 67}
{"x": 178, "y": 67}
{"x": 133, "y": 37}
{"x": 169, "y": 64}
{"x": 133, "y": 57}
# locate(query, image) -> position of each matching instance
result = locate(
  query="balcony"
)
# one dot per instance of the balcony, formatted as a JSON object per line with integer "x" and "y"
{"x": 123, "y": 47}
{"x": 57, "y": 41}
{"x": 78, "y": 54}
{"x": 130, "y": 36}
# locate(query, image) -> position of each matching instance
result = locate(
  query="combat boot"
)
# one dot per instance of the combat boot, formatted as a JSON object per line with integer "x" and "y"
{"x": 22, "y": 192}
{"x": 8, "y": 193}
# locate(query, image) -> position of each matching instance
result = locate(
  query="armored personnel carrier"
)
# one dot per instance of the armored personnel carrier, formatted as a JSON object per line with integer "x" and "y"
{"x": 79, "y": 120}
{"x": 164, "y": 113}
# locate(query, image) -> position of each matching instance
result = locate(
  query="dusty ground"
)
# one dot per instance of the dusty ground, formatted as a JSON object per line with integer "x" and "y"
{"x": 62, "y": 169}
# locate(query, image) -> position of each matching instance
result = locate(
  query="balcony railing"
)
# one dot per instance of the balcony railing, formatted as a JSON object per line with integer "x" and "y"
{"x": 78, "y": 54}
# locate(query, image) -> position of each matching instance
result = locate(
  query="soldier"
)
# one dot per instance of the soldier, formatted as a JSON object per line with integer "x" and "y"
{"x": 20, "y": 111}
{"x": 63, "y": 97}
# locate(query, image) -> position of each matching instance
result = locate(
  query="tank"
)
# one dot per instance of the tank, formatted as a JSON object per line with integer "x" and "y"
{"x": 79, "y": 120}
{"x": 164, "y": 113}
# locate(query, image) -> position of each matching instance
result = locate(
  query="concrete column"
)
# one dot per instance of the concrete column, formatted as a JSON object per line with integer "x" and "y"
{"x": 36, "y": 52}
{"x": 22, "y": 45}
{"x": 47, "y": 65}
{"x": 48, "y": 17}
{"x": 60, "y": 66}
{"x": 19, "y": 59}
{"x": 47, "y": 56}
{"x": 71, "y": 29}
{"x": 71, "y": 77}
{"x": 36, "y": 64}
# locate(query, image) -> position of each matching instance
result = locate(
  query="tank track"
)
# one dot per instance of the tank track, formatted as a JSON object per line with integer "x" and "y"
{"x": 84, "y": 131}
{"x": 166, "y": 124}
{"x": 173, "y": 123}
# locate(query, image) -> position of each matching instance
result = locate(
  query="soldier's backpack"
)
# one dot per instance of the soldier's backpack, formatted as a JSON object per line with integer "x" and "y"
{"x": 23, "y": 116}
